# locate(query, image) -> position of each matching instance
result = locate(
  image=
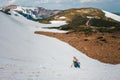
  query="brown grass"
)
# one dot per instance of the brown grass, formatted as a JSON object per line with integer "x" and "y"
{"x": 103, "y": 47}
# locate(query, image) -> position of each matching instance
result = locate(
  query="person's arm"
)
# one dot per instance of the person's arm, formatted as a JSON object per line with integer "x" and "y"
{"x": 72, "y": 64}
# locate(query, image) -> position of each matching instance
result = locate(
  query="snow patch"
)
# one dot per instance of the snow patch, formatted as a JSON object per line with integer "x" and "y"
{"x": 62, "y": 17}
{"x": 111, "y": 15}
{"x": 60, "y": 22}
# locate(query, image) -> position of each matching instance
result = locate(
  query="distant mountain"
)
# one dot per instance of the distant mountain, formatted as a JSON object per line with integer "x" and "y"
{"x": 32, "y": 12}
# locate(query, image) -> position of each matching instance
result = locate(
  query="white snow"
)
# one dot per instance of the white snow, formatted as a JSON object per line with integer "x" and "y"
{"x": 35, "y": 26}
{"x": 26, "y": 10}
{"x": 58, "y": 22}
{"x": 90, "y": 17}
{"x": 27, "y": 56}
{"x": 0, "y": 8}
{"x": 111, "y": 15}
{"x": 19, "y": 8}
{"x": 62, "y": 17}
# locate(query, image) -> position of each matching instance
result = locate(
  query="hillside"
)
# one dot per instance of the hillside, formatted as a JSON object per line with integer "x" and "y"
{"x": 103, "y": 47}
{"x": 94, "y": 32}
{"x": 87, "y": 20}
{"x": 70, "y": 14}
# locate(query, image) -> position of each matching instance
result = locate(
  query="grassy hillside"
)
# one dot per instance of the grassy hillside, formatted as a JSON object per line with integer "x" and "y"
{"x": 101, "y": 25}
{"x": 45, "y": 21}
{"x": 70, "y": 14}
{"x": 87, "y": 20}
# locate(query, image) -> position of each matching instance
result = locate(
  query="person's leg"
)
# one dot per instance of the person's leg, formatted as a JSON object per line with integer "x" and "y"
{"x": 75, "y": 65}
{"x": 78, "y": 65}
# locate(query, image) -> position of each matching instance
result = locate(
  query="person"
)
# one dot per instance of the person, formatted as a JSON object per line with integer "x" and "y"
{"x": 75, "y": 62}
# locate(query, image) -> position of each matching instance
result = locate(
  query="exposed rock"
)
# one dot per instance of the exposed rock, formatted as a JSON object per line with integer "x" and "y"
{"x": 10, "y": 7}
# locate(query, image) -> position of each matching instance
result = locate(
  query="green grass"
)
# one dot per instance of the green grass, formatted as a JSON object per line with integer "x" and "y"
{"x": 78, "y": 24}
{"x": 45, "y": 21}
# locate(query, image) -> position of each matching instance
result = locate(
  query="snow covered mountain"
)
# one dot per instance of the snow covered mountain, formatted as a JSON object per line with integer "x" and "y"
{"x": 32, "y": 12}
{"x": 27, "y": 56}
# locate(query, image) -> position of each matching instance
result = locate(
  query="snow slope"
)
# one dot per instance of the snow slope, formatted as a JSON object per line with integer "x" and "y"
{"x": 27, "y": 56}
{"x": 111, "y": 15}
{"x": 35, "y": 26}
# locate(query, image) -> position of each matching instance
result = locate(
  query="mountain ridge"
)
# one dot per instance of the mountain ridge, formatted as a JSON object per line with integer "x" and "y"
{"x": 86, "y": 19}
{"x": 32, "y": 13}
